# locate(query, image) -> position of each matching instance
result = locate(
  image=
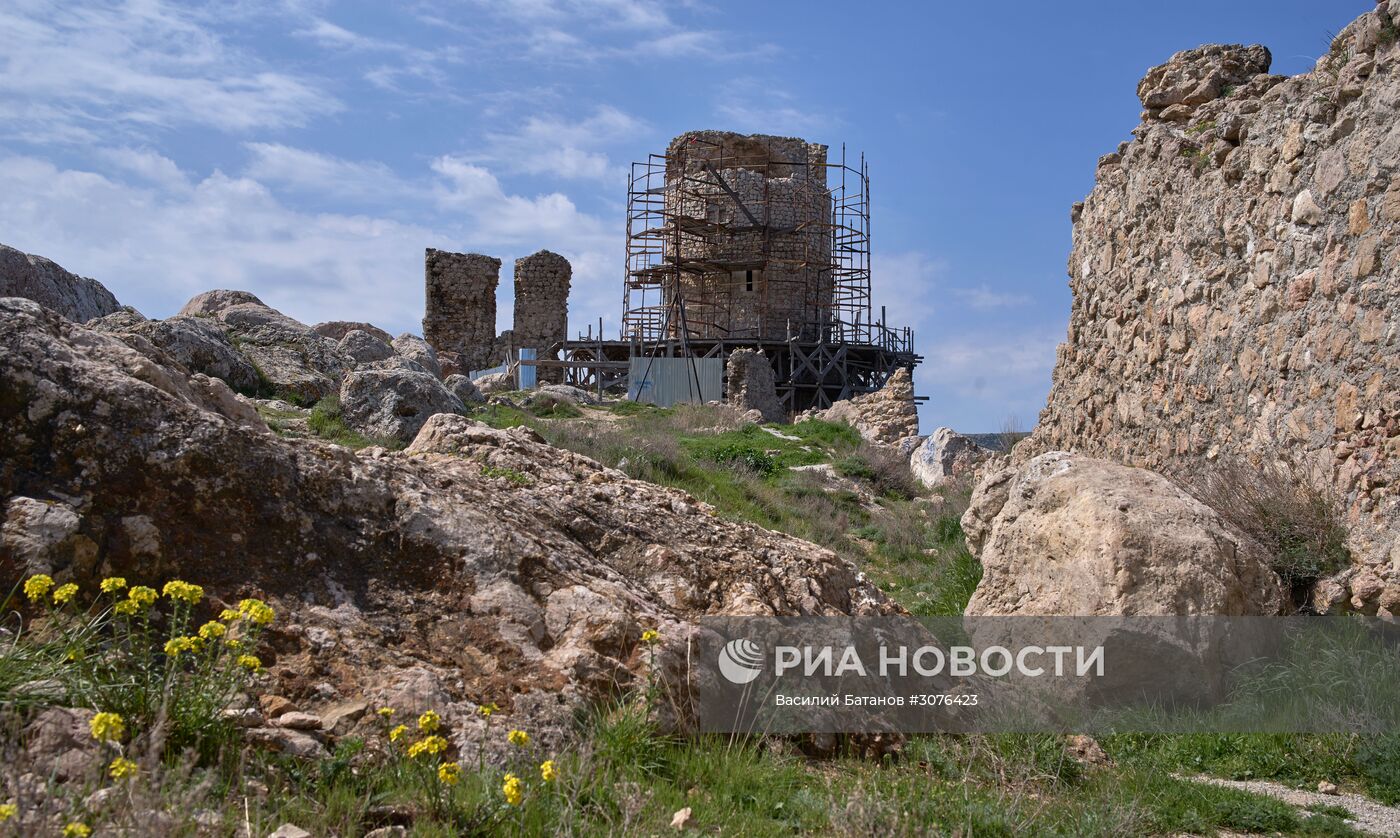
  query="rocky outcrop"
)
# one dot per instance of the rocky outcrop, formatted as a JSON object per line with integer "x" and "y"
{"x": 295, "y": 361}
{"x": 197, "y": 343}
{"x": 463, "y": 388}
{"x": 418, "y": 351}
{"x": 477, "y": 565}
{"x": 35, "y": 278}
{"x": 338, "y": 329}
{"x": 211, "y": 303}
{"x": 945, "y": 457}
{"x": 1070, "y": 535}
{"x": 393, "y": 403}
{"x": 1234, "y": 277}
{"x": 363, "y": 347}
{"x": 888, "y": 415}
{"x": 751, "y": 385}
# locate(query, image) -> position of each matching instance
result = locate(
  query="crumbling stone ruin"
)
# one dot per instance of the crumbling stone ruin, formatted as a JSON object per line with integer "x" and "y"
{"x": 460, "y": 311}
{"x": 1236, "y": 280}
{"x": 542, "y": 306}
{"x": 751, "y": 386}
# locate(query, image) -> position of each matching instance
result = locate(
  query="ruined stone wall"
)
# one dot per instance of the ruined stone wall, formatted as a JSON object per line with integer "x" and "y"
{"x": 542, "y": 305}
{"x": 1236, "y": 279}
{"x": 782, "y": 182}
{"x": 460, "y": 311}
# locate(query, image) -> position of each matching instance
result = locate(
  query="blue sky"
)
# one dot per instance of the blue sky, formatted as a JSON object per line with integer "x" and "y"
{"x": 309, "y": 151}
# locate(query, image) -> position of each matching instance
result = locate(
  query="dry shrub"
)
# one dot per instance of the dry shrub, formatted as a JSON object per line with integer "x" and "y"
{"x": 884, "y": 467}
{"x": 1281, "y": 507}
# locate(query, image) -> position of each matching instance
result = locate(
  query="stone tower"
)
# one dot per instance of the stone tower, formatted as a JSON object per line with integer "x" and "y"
{"x": 752, "y": 232}
{"x": 460, "y": 311}
{"x": 542, "y": 305}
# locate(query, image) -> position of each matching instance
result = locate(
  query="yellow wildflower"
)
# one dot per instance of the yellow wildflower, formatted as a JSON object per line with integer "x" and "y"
{"x": 518, "y": 738}
{"x": 397, "y": 733}
{"x": 7, "y": 811}
{"x": 212, "y": 630}
{"x": 450, "y": 773}
{"x": 107, "y": 727}
{"x": 65, "y": 593}
{"x": 427, "y": 745}
{"x": 36, "y": 586}
{"x": 650, "y": 636}
{"x": 429, "y": 722}
{"x": 112, "y": 584}
{"x": 487, "y": 709}
{"x": 122, "y": 767}
{"x": 142, "y": 595}
{"x": 250, "y": 662}
{"x": 234, "y": 643}
{"x": 127, "y": 608}
{"x": 385, "y": 712}
{"x": 176, "y": 589}
{"x": 547, "y": 771}
{"x": 77, "y": 829}
{"x": 176, "y": 645}
{"x": 228, "y": 615}
{"x": 512, "y": 791}
{"x": 255, "y": 610}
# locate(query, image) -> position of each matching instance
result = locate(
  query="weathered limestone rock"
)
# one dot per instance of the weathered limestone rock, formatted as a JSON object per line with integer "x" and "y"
{"x": 211, "y": 303}
{"x": 945, "y": 457}
{"x": 1077, "y": 536}
{"x": 751, "y": 384}
{"x": 393, "y": 403}
{"x": 200, "y": 344}
{"x": 338, "y": 329}
{"x": 463, "y": 388}
{"x": 363, "y": 347}
{"x": 496, "y": 382}
{"x": 295, "y": 360}
{"x": 542, "y": 306}
{"x": 887, "y": 415}
{"x": 43, "y": 281}
{"x": 418, "y": 351}
{"x": 344, "y": 544}
{"x": 460, "y": 311}
{"x": 47, "y": 536}
{"x": 1234, "y": 279}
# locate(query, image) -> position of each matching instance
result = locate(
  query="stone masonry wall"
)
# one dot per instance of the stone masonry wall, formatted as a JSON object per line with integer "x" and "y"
{"x": 542, "y": 305}
{"x": 1236, "y": 280}
{"x": 460, "y": 311}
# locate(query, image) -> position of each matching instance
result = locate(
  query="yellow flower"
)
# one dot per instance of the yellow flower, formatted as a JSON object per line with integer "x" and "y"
{"x": 228, "y": 615}
{"x": 176, "y": 645}
{"x": 429, "y": 722}
{"x": 487, "y": 709}
{"x": 427, "y": 745}
{"x": 77, "y": 829}
{"x": 176, "y": 589}
{"x": 518, "y": 738}
{"x": 255, "y": 610}
{"x": 7, "y": 811}
{"x": 511, "y": 789}
{"x": 397, "y": 733}
{"x": 107, "y": 727}
{"x": 385, "y": 712}
{"x": 650, "y": 636}
{"x": 234, "y": 643}
{"x": 450, "y": 773}
{"x": 122, "y": 767}
{"x": 75, "y": 654}
{"x": 142, "y": 595}
{"x": 127, "y": 608}
{"x": 547, "y": 771}
{"x": 65, "y": 593}
{"x": 112, "y": 584}
{"x": 36, "y": 586}
{"x": 250, "y": 662}
{"x": 212, "y": 630}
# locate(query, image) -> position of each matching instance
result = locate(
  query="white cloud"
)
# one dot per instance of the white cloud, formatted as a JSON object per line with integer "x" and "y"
{"x": 323, "y": 174}
{"x": 558, "y": 147}
{"x": 82, "y": 69}
{"x": 969, "y": 376}
{"x": 983, "y": 298}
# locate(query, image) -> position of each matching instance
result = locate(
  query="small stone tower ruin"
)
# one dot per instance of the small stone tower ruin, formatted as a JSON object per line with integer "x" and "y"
{"x": 542, "y": 306}
{"x": 460, "y": 311}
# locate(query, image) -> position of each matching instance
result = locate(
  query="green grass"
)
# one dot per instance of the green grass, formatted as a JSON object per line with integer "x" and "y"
{"x": 327, "y": 423}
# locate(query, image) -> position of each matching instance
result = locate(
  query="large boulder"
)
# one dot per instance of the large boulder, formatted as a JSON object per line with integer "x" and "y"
{"x": 35, "y": 278}
{"x": 363, "y": 347}
{"x": 393, "y": 403}
{"x": 198, "y": 343}
{"x": 479, "y": 565}
{"x": 417, "y": 350}
{"x": 887, "y": 416}
{"x": 211, "y": 303}
{"x": 945, "y": 457}
{"x": 338, "y": 329}
{"x": 752, "y": 386}
{"x": 463, "y": 388}
{"x": 296, "y": 361}
{"x": 1070, "y": 535}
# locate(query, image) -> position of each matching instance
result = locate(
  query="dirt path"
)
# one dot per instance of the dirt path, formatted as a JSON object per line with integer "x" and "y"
{"x": 1366, "y": 815}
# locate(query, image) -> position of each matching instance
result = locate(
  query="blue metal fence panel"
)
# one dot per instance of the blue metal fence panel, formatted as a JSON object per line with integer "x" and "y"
{"x": 667, "y": 381}
{"x": 525, "y": 373}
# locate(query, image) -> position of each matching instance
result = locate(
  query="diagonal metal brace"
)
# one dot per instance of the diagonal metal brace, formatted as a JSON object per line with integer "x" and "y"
{"x": 731, "y": 193}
